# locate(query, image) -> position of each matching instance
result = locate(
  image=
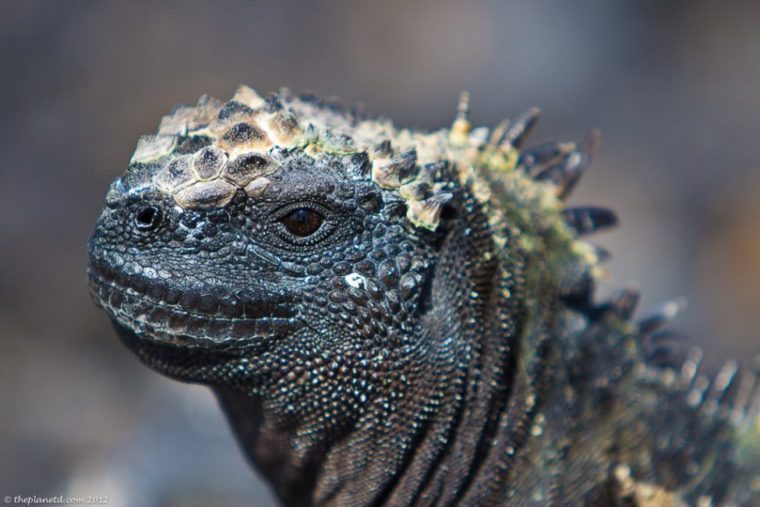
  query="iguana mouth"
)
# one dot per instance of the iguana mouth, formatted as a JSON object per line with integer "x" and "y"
{"x": 158, "y": 312}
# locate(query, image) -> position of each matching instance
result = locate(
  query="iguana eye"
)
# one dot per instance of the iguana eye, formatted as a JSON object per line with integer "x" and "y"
{"x": 302, "y": 222}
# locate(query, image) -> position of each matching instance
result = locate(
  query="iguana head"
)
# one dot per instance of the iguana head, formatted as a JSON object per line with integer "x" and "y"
{"x": 257, "y": 245}
{"x": 331, "y": 266}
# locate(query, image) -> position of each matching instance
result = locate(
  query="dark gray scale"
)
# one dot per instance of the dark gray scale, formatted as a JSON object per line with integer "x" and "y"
{"x": 590, "y": 219}
{"x": 565, "y": 173}
{"x": 233, "y": 108}
{"x": 519, "y": 130}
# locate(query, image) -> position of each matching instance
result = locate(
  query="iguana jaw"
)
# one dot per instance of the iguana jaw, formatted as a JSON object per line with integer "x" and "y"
{"x": 153, "y": 318}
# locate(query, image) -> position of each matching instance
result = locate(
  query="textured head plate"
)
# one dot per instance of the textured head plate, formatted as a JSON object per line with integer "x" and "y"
{"x": 207, "y": 152}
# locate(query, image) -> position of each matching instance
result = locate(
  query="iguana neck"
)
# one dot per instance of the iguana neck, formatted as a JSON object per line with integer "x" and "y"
{"x": 426, "y": 438}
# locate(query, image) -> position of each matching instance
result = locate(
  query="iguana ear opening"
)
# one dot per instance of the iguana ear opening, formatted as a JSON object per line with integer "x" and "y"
{"x": 450, "y": 214}
{"x": 452, "y": 208}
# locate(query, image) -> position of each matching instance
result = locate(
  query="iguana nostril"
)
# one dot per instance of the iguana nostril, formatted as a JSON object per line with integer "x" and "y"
{"x": 148, "y": 218}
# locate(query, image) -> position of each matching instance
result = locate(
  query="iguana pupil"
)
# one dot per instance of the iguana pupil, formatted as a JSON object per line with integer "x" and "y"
{"x": 395, "y": 317}
{"x": 302, "y": 221}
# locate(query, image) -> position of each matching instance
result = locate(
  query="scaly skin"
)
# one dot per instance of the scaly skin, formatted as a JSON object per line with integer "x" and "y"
{"x": 394, "y": 317}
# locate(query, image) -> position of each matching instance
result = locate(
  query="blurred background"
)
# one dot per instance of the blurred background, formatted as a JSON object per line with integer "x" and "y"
{"x": 674, "y": 86}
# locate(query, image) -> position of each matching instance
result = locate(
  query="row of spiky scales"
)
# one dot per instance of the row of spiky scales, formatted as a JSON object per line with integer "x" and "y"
{"x": 723, "y": 410}
{"x": 726, "y": 402}
{"x": 206, "y": 153}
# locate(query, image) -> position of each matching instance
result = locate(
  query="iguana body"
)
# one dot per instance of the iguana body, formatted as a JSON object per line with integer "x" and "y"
{"x": 395, "y": 317}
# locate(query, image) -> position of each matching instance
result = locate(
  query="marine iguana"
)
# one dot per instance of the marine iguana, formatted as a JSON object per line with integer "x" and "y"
{"x": 397, "y": 317}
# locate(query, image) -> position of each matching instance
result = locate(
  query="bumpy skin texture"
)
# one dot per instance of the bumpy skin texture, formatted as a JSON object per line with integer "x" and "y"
{"x": 395, "y": 317}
